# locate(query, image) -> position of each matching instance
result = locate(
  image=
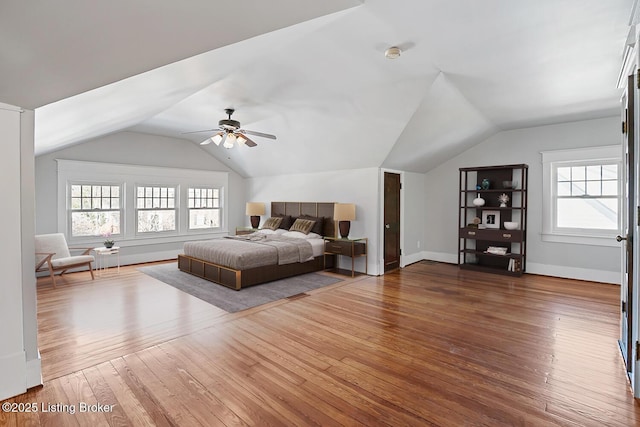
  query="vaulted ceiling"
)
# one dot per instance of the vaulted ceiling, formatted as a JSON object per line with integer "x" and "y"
{"x": 313, "y": 73}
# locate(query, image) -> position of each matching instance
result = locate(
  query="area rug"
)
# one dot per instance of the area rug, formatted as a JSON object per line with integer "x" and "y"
{"x": 231, "y": 300}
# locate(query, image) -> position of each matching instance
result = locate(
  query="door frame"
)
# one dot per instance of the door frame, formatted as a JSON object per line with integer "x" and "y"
{"x": 631, "y": 64}
{"x": 381, "y": 172}
{"x": 635, "y": 199}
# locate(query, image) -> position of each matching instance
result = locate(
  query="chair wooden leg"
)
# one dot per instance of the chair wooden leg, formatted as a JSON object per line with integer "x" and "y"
{"x": 53, "y": 278}
{"x": 91, "y": 270}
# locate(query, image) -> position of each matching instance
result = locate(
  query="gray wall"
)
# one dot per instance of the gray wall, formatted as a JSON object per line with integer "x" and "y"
{"x": 134, "y": 149}
{"x": 523, "y": 146}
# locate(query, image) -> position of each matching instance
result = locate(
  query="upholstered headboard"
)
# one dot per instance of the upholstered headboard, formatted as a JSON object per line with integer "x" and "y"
{"x": 314, "y": 209}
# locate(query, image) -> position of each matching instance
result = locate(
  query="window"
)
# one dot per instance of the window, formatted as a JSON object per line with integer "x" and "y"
{"x": 95, "y": 209}
{"x": 587, "y": 196}
{"x": 204, "y": 208}
{"x": 155, "y": 209}
{"x": 582, "y": 195}
{"x": 147, "y": 205}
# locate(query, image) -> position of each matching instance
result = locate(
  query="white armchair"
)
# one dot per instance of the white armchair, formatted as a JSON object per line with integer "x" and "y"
{"x": 53, "y": 254}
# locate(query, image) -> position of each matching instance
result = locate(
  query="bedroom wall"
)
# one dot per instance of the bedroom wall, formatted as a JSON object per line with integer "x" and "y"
{"x": 359, "y": 186}
{"x": 523, "y": 146}
{"x": 134, "y": 149}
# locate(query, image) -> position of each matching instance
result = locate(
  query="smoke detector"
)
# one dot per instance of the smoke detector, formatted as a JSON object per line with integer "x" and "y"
{"x": 393, "y": 52}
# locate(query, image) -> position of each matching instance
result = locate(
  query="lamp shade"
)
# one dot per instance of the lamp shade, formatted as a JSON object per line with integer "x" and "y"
{"x": 344, "y": 211}
{"x": 255, "y": 208}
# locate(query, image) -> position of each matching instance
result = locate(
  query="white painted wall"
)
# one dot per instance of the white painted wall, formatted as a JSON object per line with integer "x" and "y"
{"x": 359, "y": 186}
{"x": 523, "y": 146}
{"x": 413, "y": 225}
{"x": 133, "y": 149}
{"x": 28, "y": 227}
{"x": 17, "y": 292}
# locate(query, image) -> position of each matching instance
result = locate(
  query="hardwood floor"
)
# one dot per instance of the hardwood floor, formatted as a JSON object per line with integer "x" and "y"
{"x": 425, "y": 345}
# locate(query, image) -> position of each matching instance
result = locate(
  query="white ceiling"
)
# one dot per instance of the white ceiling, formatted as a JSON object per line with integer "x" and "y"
{"x": 313, "y": 73}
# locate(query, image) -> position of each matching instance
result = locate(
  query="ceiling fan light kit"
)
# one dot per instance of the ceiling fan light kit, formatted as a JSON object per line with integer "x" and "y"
{"x": 230, "y": 134}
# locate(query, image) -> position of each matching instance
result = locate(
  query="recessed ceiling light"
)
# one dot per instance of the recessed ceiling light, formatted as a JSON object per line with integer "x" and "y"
{"x": 393, "y": 52}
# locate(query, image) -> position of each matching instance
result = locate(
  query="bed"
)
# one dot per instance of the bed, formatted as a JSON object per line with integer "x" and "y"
{"x": 241, "y": 261}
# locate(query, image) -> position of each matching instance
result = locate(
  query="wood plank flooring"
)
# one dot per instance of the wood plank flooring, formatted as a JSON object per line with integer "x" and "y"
{"x": 428, "y": 345}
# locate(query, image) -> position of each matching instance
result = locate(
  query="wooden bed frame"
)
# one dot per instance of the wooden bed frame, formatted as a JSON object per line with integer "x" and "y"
{"x": 238, "y": 279}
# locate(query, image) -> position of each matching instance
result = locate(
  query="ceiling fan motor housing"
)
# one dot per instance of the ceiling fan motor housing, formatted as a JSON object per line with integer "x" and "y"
{"x": 229, "y": 124}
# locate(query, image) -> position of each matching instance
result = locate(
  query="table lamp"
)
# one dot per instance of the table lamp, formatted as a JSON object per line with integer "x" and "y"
{"x": 344, "y": 213}
{"x": 255, "y": 209}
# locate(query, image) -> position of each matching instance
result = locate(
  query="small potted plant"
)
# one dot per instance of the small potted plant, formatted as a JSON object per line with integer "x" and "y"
{"x": 503, "y": 199}
{"x": 108, "y": 241}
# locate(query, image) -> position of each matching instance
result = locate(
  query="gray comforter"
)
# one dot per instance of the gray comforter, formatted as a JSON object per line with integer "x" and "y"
{"x": 250, "y": 251}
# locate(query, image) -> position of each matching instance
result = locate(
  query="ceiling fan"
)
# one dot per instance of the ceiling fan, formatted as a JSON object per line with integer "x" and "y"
{"x": 229, "y": 133}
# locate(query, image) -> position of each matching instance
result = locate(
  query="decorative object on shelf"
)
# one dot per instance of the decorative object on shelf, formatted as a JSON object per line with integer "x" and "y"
{"x": 491, "y": 219}
{"x": 511, "y": 225}
{"x": 478, "y": 201}
{"x": 485, "y": 184}
{"x": 496, "y": 250}
{"x": 478, "y": 187}
{"x": 344, "y": 213}
{"x": 108, "y": 241}
{"x": 254, "y": 210}
{"x": 475, "y": 222}
{"x": 509, "y": 185}
{"x": 503, "y": 199}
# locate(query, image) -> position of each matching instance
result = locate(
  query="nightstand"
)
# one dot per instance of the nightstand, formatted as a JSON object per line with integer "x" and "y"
{"x": 353, "y": 248}
{"x": 245, "y": 230}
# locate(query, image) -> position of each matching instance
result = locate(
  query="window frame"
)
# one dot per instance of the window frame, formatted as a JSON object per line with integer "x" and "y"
{"x": 175, "y": 209}
{"x": 93, "y": 183}
{"x": 189, "y": 209}
{"x": 551, "y": 161}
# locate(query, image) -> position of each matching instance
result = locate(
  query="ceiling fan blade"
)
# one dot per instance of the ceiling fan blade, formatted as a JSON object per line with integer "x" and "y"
{"x": 252, "y": 132}
{"x": 200, "y": 131}
{"x": 211, "y": 139}
{"x": 247, "y": 141}
{"x": 224, "y": 138}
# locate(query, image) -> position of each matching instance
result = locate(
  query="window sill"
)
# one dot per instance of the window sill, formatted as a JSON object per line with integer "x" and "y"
{"x": 125, "y": 241}
{"x": 608, "y": 241}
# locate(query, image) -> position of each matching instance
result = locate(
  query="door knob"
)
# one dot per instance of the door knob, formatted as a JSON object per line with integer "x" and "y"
{"x": 620, "y": 238}
{"x": 387, "y": 226}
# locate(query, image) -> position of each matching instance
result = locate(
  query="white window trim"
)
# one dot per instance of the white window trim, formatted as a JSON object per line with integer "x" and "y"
{"x": 130, "y": 176}
{"x": 69, "y": 210}
{"x": 188, "y": 209}
{"x": 176, "y": 209}
{"x": 610, "y": 153}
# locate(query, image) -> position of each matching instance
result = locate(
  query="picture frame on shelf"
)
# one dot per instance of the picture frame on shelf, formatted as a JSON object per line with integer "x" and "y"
{"x": 491, "y": 219}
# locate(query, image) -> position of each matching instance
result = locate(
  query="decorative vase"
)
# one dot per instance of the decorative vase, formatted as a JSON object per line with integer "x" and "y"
{"x": 478, "y": 201}
{"x": 485, "y": 184}
{"x": 108, "y": 245}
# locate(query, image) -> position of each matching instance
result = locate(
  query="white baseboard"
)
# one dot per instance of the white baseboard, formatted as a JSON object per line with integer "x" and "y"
{"x": 440, "y": 257}
{"x": 587, "y": 274}
{"x": 148, "y": 257}
{"x": 34, "y": 372}
{"x": 13, "y": 371}
{"x": 410, "y": 259}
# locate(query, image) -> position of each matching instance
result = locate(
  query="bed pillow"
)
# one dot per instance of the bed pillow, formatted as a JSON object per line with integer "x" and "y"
{"x": 302, "y": 225}
{"x": 265, "y": 231}
{"x": 299, "y": 235}
{"x": 272, "y": 223}
{"x": 286, "y": 222}
{"x": 318, "y": 226}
